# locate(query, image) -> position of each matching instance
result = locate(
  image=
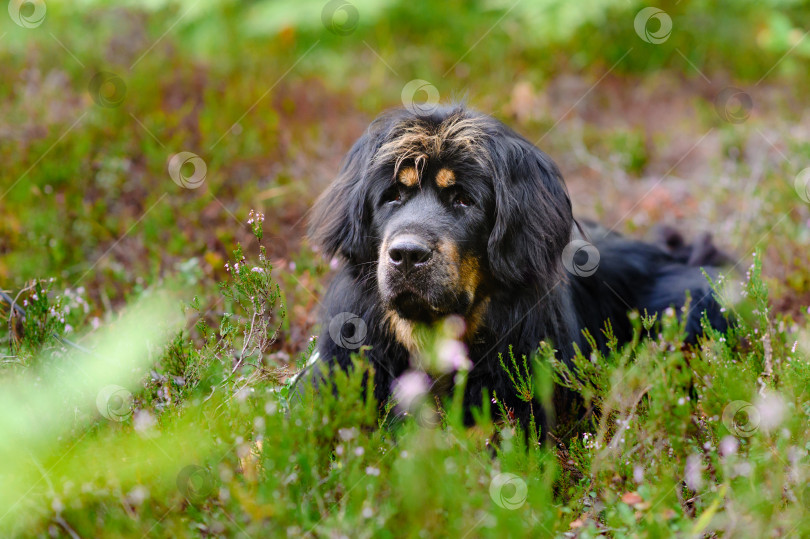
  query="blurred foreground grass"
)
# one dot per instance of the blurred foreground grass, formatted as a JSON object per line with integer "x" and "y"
{"x": 195, "y": 433}
{"x": 212, "y": 441}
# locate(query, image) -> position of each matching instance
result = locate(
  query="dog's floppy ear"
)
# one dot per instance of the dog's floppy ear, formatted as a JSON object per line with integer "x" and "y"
{"x": 533, "y": 215}
{"x": 340, "y": 215}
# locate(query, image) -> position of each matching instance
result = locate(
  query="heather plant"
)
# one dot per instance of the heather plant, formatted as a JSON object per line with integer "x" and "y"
{"x": 204, "y": 437}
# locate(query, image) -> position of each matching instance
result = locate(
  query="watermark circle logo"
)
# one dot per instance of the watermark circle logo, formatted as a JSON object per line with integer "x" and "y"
{"x": 348, "y": 330}
{"x": 107, "y": 89}
{"x": 420, "y": 97}
{"x": 581, "y": 258}
{"x": 508, "y": 490}
{"x": 340, "y": 17}
{"x": 802, "y": 184}
{"x": 733, "y": 105}
{"x": 114, "y": 403}
{"x": 741, "y": 418}
{"x": 643, "y": 22}
{"x": 426, "y": 416}
{"x": 188, "y": 170}
{"x": 27, "y": 13}
{"x": 195, "y": 483}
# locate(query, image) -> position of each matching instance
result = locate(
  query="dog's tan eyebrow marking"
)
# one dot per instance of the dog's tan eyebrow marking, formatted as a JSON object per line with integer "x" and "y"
{"x": 445, "y": 178}
{"x": 408, "y": 177}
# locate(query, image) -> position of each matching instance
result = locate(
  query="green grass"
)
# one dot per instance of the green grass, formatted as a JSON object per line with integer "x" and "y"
{"x": 188, "y": 427}
{"x": 211, "y": 440}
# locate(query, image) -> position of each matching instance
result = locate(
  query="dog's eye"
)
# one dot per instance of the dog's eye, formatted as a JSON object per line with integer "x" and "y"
{"x": 393, "y": 195}
{"x": 462, "y": 200}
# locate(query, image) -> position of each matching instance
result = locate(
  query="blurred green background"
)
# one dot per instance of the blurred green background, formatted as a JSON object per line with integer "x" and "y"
{"x": 271, "y": 94}
{"x": 687, "y": 113}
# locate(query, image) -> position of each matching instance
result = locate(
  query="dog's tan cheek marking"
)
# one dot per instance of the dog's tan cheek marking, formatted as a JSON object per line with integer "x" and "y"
{"x": 465, "y": 275}
{"x": 408, "y": 177}
{"x": 470, "y": 275}
{"x": 474, "y": 319}
{"x": 449, "y": 263}
{"x": 403, "y": 331}
{"x": 470, "y": 280}
{"x": 445, "y": 178}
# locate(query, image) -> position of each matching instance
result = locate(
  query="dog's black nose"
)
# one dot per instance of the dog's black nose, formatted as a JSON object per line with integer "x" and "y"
{"x": 408, "y": 252}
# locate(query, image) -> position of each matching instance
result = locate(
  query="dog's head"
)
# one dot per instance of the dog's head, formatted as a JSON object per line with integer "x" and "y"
{"x": 445, "y": 209}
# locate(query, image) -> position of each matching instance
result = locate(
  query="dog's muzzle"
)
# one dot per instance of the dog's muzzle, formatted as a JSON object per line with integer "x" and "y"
{"x": 412, "y": 276}
{"x": 409, "y": 252}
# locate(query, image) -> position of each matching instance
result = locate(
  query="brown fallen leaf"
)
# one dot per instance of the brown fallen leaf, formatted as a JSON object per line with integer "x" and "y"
{"x": 631, "y": 498}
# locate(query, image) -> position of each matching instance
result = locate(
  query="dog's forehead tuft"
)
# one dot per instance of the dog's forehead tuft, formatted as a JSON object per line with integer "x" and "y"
{"x": 408, "y": 177}
{"x": 445, "y": 178}
{"x": 421, "y": 140}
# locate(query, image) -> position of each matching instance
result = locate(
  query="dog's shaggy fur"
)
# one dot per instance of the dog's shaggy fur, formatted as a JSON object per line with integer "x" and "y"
{"x": 453, "y": 213}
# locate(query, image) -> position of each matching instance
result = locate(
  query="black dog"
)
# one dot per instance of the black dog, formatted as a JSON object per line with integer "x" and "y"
{"x": 453, "y": 213}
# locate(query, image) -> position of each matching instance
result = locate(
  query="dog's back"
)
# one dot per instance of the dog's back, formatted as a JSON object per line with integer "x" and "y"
{"x": 644, "y": 277}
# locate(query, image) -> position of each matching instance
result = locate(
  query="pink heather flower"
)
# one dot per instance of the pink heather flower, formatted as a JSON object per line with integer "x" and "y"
{"x": 410, "y": 387}
{"x": 138, "y": 495}
{"x": 728, "y": 445}
{"x": 255, "y": 217}
{"x": 638, "y": 474}
{"x": 693, "y": 472}
{"x": 335, "y": 263}
{"x": 452, "y": 355}
{"x": 742, "y": 469}
{"x": 143, "y": 421}
{"x": 772, "y": 408}
{"x": 454, "y": 326}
